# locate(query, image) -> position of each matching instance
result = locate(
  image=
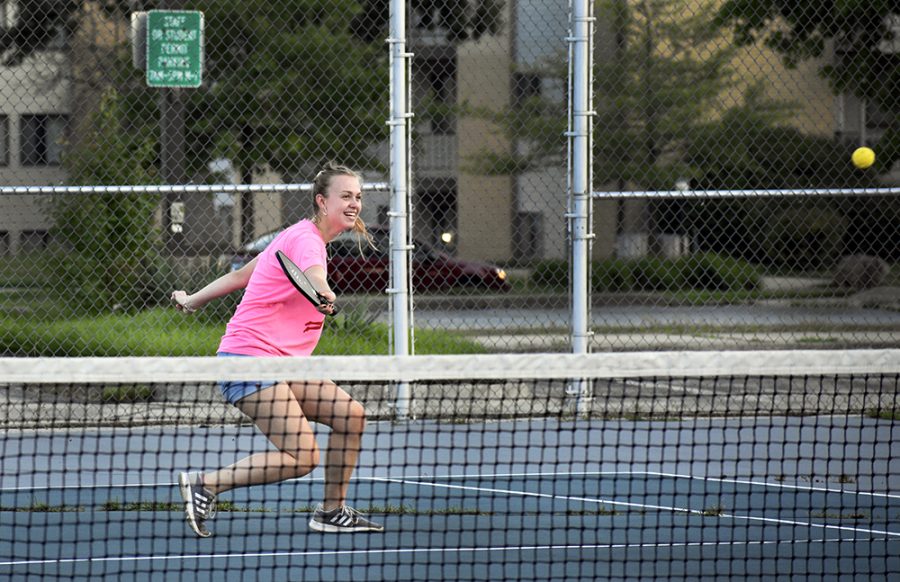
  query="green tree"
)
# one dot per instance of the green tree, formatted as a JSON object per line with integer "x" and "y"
{"x": 864, "y": 33}
{"x": 763, "y": 153}
{"x": 662, "y": 84}
{"x": 653, "y": 95}
{"x": 285, "y": 81}
{"x": 111, "y": 240}
{"x": 286, "y": 84}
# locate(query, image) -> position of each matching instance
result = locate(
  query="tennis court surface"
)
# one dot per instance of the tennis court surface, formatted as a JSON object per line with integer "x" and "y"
{"x": 662, "y": 466}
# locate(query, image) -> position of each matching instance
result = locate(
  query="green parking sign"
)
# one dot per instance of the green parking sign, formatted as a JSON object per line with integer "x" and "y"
{"x": 174, "y": 48}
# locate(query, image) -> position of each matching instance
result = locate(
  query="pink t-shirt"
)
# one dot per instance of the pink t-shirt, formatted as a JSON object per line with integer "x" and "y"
{"x": 273, "y": 318}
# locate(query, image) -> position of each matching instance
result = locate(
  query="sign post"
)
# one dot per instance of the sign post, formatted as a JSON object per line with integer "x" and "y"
{"x": 174, "y": 48}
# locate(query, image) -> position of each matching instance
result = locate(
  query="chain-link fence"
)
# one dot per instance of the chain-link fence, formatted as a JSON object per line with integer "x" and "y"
{"x": 688, "y": 96}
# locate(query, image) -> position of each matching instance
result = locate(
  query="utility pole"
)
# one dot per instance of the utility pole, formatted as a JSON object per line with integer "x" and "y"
{"x": 171, "y": 151}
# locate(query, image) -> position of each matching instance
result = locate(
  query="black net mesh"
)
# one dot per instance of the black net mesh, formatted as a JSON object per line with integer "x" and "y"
{"x": 499, "y": 470}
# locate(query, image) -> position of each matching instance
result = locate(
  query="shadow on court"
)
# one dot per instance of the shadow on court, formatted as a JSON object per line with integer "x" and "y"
{"x": 518, "y": 500}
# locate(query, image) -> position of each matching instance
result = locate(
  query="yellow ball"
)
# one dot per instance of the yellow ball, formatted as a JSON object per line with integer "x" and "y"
{"x": 863, "y": 158}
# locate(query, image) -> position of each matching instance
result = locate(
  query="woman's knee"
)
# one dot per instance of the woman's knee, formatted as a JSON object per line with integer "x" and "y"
{"x": 354, "y": 421}
{"x": 313, "y": 460}
{"x": 305, "y": 458}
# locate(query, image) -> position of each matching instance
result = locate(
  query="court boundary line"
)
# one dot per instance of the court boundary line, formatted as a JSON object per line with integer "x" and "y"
{"x": 567, "y": 474}
{"x": 662, "y": 474}
{"x": 387, "y": 551}
{"x": 419, "y": 481}
{"x": 875, "y": 535}
{"x": 646, "y": 506}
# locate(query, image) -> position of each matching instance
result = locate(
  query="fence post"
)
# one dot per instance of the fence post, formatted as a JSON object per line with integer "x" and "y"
{"x": 399, "y": 213}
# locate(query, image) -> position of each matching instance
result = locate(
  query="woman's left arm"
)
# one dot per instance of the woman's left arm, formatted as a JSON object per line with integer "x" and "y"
{"x": 316, "y": 275}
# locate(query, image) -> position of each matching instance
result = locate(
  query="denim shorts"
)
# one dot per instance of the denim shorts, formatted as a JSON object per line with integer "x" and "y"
{"x": 233, "y": 391}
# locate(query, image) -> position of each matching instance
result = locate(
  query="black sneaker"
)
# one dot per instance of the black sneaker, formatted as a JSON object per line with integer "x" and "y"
{"x": 342, "y": 519}
{"x": 199, "y": 504}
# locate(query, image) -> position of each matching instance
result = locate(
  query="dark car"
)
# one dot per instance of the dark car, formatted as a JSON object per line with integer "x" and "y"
{"x": 353, "y": 266}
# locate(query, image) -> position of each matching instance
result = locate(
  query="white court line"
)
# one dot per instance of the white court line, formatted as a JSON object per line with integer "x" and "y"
{"x": 417, "y": 480}
{"x": 648, "y": 506}
{"x": 774, "y": 485}
{"x": 570, "y": 474}
{"x": 400, "y": 551}
{"x": 462, "y": 476}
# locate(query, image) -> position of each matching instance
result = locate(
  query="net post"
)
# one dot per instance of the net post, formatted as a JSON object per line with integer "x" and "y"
{"x": 402, "y": 400}
{"x": 582, "y": 390}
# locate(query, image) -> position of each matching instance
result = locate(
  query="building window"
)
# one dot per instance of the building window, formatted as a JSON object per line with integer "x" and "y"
{"x": 42, "y": 139}
{"x": 528, "y": 234}
{"x": 440, "y": 94}
{"x": 51, "y": 28}
{"x": 525, "y": 86}
{"x": 859, "y": 120}
{"x": 436, "y": 213}
{"x": 549, "y": 89}
{"x": 4, "y": 140}
{"x": 34, "y": 240}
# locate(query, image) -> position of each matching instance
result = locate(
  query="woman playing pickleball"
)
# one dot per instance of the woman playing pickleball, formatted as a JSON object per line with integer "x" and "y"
{"x": 273, "y": 319}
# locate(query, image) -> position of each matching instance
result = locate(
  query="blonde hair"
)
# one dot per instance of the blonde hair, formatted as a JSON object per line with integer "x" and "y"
{"x": 320, "y": 186}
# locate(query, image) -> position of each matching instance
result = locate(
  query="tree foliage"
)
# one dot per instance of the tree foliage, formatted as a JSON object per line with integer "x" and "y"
{"x": 38, "y": 23}
{"x": 865, "y": 36}
{"x": 665, "y": 78}
{"x": 287, "y": 84}
{"x": 112, "y": 239}
{"x": 790, "y": 233}
{"x": 651, "y": 97}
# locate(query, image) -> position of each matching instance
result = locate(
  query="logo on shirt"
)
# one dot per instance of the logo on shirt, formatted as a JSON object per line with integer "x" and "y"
{"x": 312, "y": 326}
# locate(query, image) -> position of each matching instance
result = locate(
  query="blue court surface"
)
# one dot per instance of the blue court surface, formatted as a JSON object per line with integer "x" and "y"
{"x": 804, "y": 497}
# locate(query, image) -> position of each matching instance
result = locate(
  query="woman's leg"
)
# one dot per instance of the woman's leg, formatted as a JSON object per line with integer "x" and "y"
{"x": 324, "y": 402}
{"x": 279, "y": 416}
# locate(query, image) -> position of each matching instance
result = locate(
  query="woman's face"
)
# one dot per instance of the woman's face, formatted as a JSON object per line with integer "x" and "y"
{"x": 343, "y": 203}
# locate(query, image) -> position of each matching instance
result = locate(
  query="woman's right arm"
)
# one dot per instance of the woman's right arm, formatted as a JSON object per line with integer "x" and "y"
{"x": 222, "y": 286}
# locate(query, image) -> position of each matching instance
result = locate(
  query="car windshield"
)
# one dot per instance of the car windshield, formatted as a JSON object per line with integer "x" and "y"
{"x": 260, "y": 244}
{"x": 348, "y": 244}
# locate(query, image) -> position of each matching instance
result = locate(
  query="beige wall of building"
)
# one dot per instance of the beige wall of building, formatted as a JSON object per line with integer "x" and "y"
{"x": 34, "y": 88}
{"x": 485, "y": 203}
{"x": 802, "y": 87}
{"x": 62, "y": 84}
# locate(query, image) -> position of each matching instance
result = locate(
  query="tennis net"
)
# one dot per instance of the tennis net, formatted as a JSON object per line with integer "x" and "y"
{"x": 509, "y": 467}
